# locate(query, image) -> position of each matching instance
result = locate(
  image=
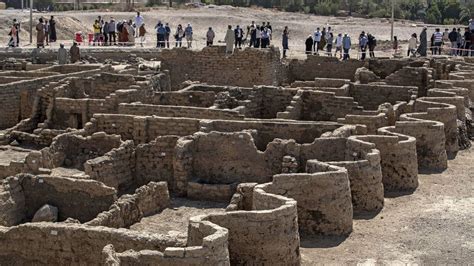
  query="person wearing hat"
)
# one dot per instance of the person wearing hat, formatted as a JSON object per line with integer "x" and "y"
{"x": 75, "y": 53}
{"x": 62, "y": 55}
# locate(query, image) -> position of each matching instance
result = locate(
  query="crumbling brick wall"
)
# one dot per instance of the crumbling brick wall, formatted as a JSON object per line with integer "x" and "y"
{"x": 116, "y": 168}
{"x": 18, "y": 97}
{"x": 319, "y": 106}
{"x": 213, "y": 66}
{"x": 177, "y": 111}
{"x": 129, "y": 209}
{"x": 76, "y": 198}
{"x": 322, "y": 67}
{"x": 371, "y": 96}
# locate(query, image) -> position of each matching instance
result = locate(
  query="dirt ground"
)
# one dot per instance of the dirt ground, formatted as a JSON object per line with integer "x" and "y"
{"x": 300, "y": 25}
{"x": 174, "y": 220}
{"x": 432, "y": 226}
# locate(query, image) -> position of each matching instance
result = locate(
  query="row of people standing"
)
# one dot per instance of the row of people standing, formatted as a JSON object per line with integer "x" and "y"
{"x": 45, "y": 32}
{"x": 458, "y": 43}
{"x": 118, "y": 33}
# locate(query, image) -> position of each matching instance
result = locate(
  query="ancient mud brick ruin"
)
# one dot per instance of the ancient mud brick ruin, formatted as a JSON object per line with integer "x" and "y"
{"x": 94, "y": 157}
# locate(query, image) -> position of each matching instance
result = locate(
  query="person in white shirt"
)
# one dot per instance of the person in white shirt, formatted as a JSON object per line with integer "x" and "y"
{"x": 317, "y": 40}
{"x": 412, "y": 45}
{"x": 339, "y": 45}
{"x": 138, "y": 21}
{"x": 258, "y": 36}
{"x": 438, "y": 41}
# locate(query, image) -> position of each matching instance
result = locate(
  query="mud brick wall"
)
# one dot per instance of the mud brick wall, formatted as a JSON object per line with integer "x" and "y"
{"x": 274, "y": 100}
{"x": 323, "y": 149}
{"x": 438, "y": 111}
{"x": 154, "y": 161}
{"x": 72, "y": 150}
{"x": 364, "y": 169}
{"x": 398, "y": 160}
{"x": 227, "y": 158}
{"x": 101, "y": 85}
{"x": 322, "y": 67}
{"x": 185, "y": 98}
{"x": 319, "y": 106}
{"x": 372, "y": 122}
{"x": 363, "y": 166}
{"x": 112, "y": 124}
{"x": 267, "y": 131}
{"x": 272, "y": 220}
{"x": 12, "y": 202}
{"x": 371, "y": 96}
{"x": 213, "y": 66}
{"x": 116, "y": 168}
{"x": 129, "y": 209}
{"x": 76, "y": 198}
{"x": 311, "y": 190}
{"x": 430, "y": 141}
{"x": 177, "y": 111}
{"x": 142, "y": 129}
{"x": 58, "y": 243}
{"x": 467, "y": 84}
{"x": 207, "y": 245}
{"x": 18, "y": 97}
{"x": 164, "y": 126}
{"x": 385, "y": 67}
{"x": 411, "y": 76}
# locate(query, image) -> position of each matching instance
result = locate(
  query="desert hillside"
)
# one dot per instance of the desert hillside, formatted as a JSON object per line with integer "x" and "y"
{"x": 301, "y": 25}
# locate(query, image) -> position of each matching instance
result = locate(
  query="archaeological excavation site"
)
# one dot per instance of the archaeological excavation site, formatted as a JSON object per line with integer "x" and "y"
{"x": 196, "y": 157}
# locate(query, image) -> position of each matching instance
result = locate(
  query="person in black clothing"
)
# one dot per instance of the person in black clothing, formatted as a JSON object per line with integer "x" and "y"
{"x": 309, "y": 45}
{"x": 167, "y": 35}
{"x": 467, "y": 41}
{"x": 372, "y": 42}
{"x": 52, "y": 30}
{"x": 453, "y": 38}
{"x": 239, "y": 34}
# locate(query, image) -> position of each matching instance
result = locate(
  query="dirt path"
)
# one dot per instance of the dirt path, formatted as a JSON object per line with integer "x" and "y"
{"x": 434, "y": 225}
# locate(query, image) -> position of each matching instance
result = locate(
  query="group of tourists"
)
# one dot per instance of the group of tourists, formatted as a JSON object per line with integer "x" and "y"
{"x": 322, "y": 41}
{"x": 45, "y": 32}
{"x": 325, "y": 40}
{"x": 456, "y": 41}
{"x": 123, "y": 33}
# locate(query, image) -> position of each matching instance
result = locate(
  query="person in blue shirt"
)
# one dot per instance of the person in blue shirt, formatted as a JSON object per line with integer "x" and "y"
{"x": 346, "y": 46}
{"x": 167, "y": 35}
{"x": 160, "y": 35}
{"x": 188, "y": 34}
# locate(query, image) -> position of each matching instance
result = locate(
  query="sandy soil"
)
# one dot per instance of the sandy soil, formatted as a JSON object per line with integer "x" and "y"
{"x": 10, "y": 153}
{"x": 301, "y": 25}
{"x": 432, "y": 226}
{"x": 174, "y": 220}
{"x": 68, "y": 172}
